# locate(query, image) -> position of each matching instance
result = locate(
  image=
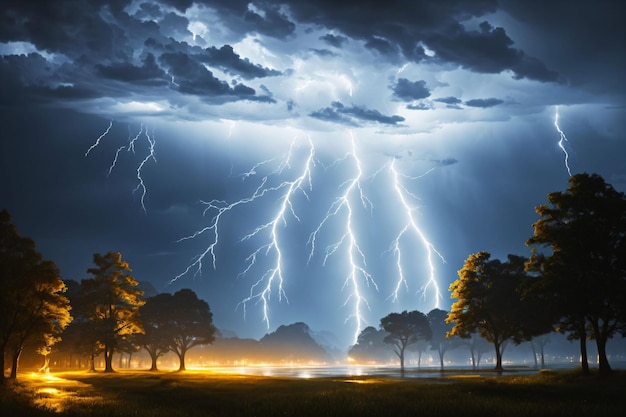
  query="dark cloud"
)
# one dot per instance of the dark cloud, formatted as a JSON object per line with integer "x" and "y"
{"x": 272, "y": 22}
{"x": 192, "y": 77}
{"x": 322, "y": 52}
{"x": 382, "y": 46}
{"x": 485, "y": 50}
{"x": 583, "y": 40}
{"x": 345, "y": 115}
{"x": 448, "y": 100}
{"x": 445, "y": 162}
{"x": 334, "y": 40}
{"x": 149, "y": 72}
{"x": 226, "y": 58}
{"x": 419, "y": 106}
{"x": 407, "y": 90}
{"x": 483, "y": 102}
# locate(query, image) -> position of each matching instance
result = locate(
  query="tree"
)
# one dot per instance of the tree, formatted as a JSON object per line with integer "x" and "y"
{"x": 32, "y": 303}
{"x": 489, "y": 301}
{"x": 477, "y": 346}
{"x": 155, "y": 314}
{"x": 112, "y": 302}
{"x": 405, "y": 329}
{"x": 370, "y": 346}
{"x": 585, "y": 273}
{"x": 188, "y": 323}
{"x": 440, "y": 328}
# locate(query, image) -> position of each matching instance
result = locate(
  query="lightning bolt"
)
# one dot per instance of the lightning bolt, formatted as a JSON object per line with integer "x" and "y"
{"x": 262, "y": 289}
{"x": 97, "y": 142}
{"x": 114, "y": 163}
{"x": 275, "y": 273}
{"x": 411, "y": 226}
{"x": 562, "y": 139}
{"x": 151, "y": 155}
{"x": 357, "y": 264}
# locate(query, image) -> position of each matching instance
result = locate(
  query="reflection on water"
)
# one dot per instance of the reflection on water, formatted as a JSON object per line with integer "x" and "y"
{"x": 365, "y": 370}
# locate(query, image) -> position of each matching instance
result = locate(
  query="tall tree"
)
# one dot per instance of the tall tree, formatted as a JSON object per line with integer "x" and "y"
{"x": 585, "y": 273}
{"x": 405, "y": 329}
{"x": 112, "y": 302}
{"x": 440, "y": 328}
{"x": 189, "y": 323}
{"x": 32, "y": 303}
{"x": 489, "y": 300}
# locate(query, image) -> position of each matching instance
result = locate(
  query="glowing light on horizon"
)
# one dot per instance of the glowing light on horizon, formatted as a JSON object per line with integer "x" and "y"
{"x": 562, "y": 140}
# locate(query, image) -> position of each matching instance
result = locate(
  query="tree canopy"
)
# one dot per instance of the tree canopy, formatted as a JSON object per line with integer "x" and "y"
{"x": 584, "y": 276}
{"x": 187, "y": 322}
{"x": 489, "y": 300}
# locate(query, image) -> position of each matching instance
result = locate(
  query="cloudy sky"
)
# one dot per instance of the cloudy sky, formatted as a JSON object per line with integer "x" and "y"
{"x": 318, "y": 161}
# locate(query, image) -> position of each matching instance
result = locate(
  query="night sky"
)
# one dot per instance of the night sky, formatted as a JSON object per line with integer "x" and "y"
{"x": 324, "y": 143}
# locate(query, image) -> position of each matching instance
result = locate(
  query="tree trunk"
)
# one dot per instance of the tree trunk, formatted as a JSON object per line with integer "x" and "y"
{"x": 153, "y": 357}
{"x": 532, "y": 347}
{"x": 441, "y": 353}
{"x": 584, "y": 363}
{"x": 419, "y": 359}
{"x": 15, "y": 359}
{"x": 498, "y": 356}
{"x": 401, "y": 356}
{"x": 181, "y": 358}
{"x": 600, "y": 334}
{"x": 108, "y": 359}
{"x": 2, "y": 365}
{"x": 543, "y": 359}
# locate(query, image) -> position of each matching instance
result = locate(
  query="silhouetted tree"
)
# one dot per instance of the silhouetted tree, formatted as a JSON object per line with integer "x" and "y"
{"x": 489, "y": 300}
{"x": 32, "y": 303}
{"x": 155, "y": 315}
{"x": 405, "y": 329}
{"x": 439, "y": 341}
{"x": 370, "y": 346}
{"x": 189, "y": 323}
{"x": 585, "y": 275}
{"x": 111, "y": 301}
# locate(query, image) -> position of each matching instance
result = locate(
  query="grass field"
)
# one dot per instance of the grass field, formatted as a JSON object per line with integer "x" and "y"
{"x": 172, "y": 394}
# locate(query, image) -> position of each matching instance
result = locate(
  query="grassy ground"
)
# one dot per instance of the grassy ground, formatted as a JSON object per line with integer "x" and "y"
{"x": 191, "y": 394}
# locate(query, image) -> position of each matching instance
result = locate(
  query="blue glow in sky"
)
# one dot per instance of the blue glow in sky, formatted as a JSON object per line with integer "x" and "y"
{"x": 317, "y": 161}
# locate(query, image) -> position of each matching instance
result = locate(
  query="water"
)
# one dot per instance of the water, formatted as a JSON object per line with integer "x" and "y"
{"x": 382, "y": 371}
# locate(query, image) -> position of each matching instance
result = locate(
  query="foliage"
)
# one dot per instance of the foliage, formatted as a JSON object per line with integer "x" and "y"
{"x": 489, "y": 300}
{"x": 110, "y": 301}
{"x": 405, "y": 329}
{"x": 183, "y": 321}
{"x": 32, "y": 303}
{"x": 584, "y": 276}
